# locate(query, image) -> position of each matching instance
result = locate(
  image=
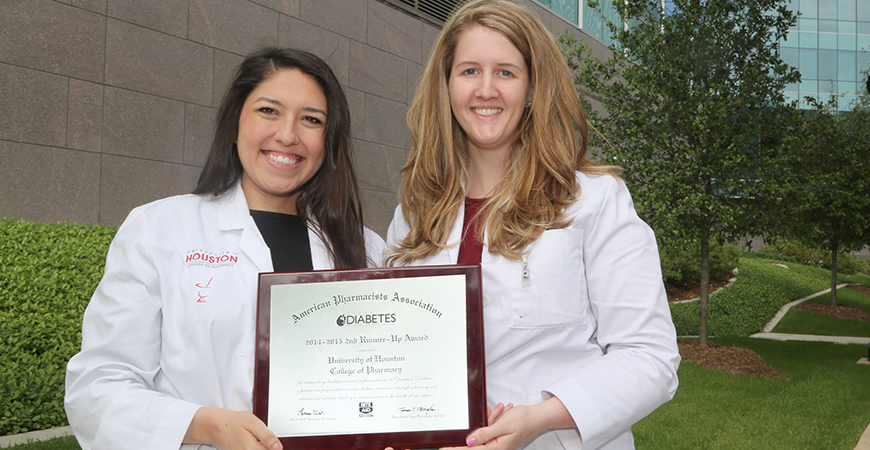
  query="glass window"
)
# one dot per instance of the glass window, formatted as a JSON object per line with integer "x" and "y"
{"x": 809, "y": 87}
{"x": 565, "y": 8}
{"x": 846, "y": 66}
{"x": 810, "y": 8}
{"x": 863, "y": 11}
{"x": 863, "y": 43}
{"x": 809, "y": 64}
{"x": 848, "y": 99}
{"x": 829, "y": 26}
{"x": 805, "y": 24}
{"x": 848, "y": 87}
{"x": 846, "y": 42}
{"x": 828, "y": 10}
{"x": 863, "y": 62}
{"x": 809, "y": 40}
{"x": 846, "y": 26}
{"x": 846, "y": 10}
{"x": 789, "y": 56}
{"x": 863, "y": 28}
{"x": 791, "y": 96}
{"x": 827, "y": 64}
{"x": 593, "y": 23}
{"x": 827, "y": 41}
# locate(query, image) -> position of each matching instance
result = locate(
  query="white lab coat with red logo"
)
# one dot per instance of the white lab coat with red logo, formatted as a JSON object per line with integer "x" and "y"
{"x": 590, "y": 325}
{"x": 171, "y": 326}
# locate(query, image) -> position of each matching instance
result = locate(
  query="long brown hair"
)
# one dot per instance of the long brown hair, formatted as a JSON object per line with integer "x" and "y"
{"x": 549, "y": 146}
{"x": 331, "y": 197}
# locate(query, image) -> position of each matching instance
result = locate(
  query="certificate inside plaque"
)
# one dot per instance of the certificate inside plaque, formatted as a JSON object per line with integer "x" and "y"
{"x": 370, "y": 358}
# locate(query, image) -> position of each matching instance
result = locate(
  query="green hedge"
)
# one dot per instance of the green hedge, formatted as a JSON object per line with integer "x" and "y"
{"x": 790, "y": 250}
{"x": 761, "y": 289}
{"x": 680, "y": 261}
{"x": 47, "y": 276}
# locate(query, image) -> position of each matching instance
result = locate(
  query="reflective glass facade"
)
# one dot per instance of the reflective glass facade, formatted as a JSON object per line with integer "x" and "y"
{"x": 830, "y": 46}
{"x": 586, "y": 18}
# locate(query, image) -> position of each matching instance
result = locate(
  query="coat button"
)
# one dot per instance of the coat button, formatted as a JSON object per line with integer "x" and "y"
{"x": 485, "y": 300}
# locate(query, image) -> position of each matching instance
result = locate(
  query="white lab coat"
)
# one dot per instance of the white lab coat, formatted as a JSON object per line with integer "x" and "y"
{"x": 171, "y": 326}
{"x": 591, "y": 325}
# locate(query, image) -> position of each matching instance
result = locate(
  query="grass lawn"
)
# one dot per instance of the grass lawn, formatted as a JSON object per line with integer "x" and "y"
{"x": 822, "y": 404}
{"x": 797, "y": 321}
{"x": 63, "y": 443}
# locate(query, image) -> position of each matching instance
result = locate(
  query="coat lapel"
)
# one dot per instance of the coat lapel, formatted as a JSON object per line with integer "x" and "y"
{"x": 235, "y": 216}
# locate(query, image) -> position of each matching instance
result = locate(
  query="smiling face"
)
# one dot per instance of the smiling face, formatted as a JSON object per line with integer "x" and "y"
{"x": 488, "y": 87}
{"x": 281, "y": 139}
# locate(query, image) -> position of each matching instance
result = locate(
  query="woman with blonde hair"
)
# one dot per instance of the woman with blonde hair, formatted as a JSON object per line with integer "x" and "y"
{"x": 579, "y": 339}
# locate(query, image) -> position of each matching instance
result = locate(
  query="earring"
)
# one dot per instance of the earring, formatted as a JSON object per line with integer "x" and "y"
{"x": 528, "y": 104}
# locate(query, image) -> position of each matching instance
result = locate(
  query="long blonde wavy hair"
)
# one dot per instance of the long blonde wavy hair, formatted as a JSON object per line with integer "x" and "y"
{"x": 549, "y": 146}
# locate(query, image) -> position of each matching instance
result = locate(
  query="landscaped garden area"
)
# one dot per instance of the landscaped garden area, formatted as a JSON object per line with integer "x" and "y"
{"x": 817, "y": 400}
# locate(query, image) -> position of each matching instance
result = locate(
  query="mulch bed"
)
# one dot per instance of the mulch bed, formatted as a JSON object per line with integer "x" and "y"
{"x": 691, "y": 290}
{"x": 861, "y": 288}
{"x": 848, "y": 312}
{"x": 733, "y": 360}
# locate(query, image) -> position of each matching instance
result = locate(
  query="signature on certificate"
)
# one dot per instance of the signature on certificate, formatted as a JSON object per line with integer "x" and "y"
{"x": 313, "y": 412}
{"x": 407, "y": 409}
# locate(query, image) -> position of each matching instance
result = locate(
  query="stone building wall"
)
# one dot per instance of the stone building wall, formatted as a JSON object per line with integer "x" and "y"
{"x": 109, "y": 104}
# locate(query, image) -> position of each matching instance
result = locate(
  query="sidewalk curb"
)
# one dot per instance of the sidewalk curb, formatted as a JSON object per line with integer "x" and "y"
{"x": 781, "y": 313}
{"x": 812, "y": 338}
{"x": 864, "y": 441}
{"x": 34, "y": 436}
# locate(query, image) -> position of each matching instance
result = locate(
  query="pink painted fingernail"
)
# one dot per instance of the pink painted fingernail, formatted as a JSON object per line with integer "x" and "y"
{"x": 278, "y": 446}
{"x": 470, "y": 441}
{"x": 499, "y": 404}
{"x": 509, "y": 405}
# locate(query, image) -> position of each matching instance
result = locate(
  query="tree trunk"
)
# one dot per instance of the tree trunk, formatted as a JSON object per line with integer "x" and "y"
{"x": 705, "y": 289}
{"x": 834, "y": 274}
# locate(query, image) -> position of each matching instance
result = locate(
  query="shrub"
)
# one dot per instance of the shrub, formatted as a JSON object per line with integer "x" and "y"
{"x": 761, "y": 289}
{"x": 47, "y": 276}
{"x": 846, "y": 264}
{"x": 796, "y": 252}
{"x": 681, "y": 261}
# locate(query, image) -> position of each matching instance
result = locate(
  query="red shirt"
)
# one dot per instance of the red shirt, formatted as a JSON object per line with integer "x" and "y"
{"x": 470, "y": 249}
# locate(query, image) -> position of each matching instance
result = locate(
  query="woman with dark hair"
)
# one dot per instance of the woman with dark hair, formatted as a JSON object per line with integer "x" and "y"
{"x": 168, "y": 339}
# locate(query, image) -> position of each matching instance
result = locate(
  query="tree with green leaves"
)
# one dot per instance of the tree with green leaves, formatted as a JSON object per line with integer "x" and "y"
{"x": 693, "y": 108}
{"x": 827, "y": 203}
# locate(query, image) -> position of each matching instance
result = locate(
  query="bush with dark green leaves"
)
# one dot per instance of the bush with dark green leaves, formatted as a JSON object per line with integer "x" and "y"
{"x": 47, "y": 276}
{"x": 763, "y": 286}
{"x": 846, "y": 264}
{"x": 681, "y": 261}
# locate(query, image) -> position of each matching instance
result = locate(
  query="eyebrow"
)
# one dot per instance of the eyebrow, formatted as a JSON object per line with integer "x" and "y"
{"x": 475, "y": 63}
{"x": 279, "y": 103}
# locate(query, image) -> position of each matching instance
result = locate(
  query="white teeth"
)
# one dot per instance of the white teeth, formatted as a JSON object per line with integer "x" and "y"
{"x": 487, "y": 111}
{"x": 281, "y": 159}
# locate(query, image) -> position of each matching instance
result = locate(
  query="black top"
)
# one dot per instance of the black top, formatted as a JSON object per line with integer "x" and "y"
{"x": 287, "y": 238}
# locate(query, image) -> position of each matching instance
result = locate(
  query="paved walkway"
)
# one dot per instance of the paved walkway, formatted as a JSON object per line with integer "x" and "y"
{"x": 767, "y": 333}
{"x": 34, "y": 436}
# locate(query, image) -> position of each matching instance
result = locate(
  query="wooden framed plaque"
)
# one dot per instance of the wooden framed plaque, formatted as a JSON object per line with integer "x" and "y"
{"x": 370, "y": 358}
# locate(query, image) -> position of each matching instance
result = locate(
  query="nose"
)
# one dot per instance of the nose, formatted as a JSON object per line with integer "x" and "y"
{"x": 486, "y": 88}
{"x": 286, "y": 133}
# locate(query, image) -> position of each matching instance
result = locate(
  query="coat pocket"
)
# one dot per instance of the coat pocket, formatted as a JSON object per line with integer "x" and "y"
{"x": 548, "y": 288}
